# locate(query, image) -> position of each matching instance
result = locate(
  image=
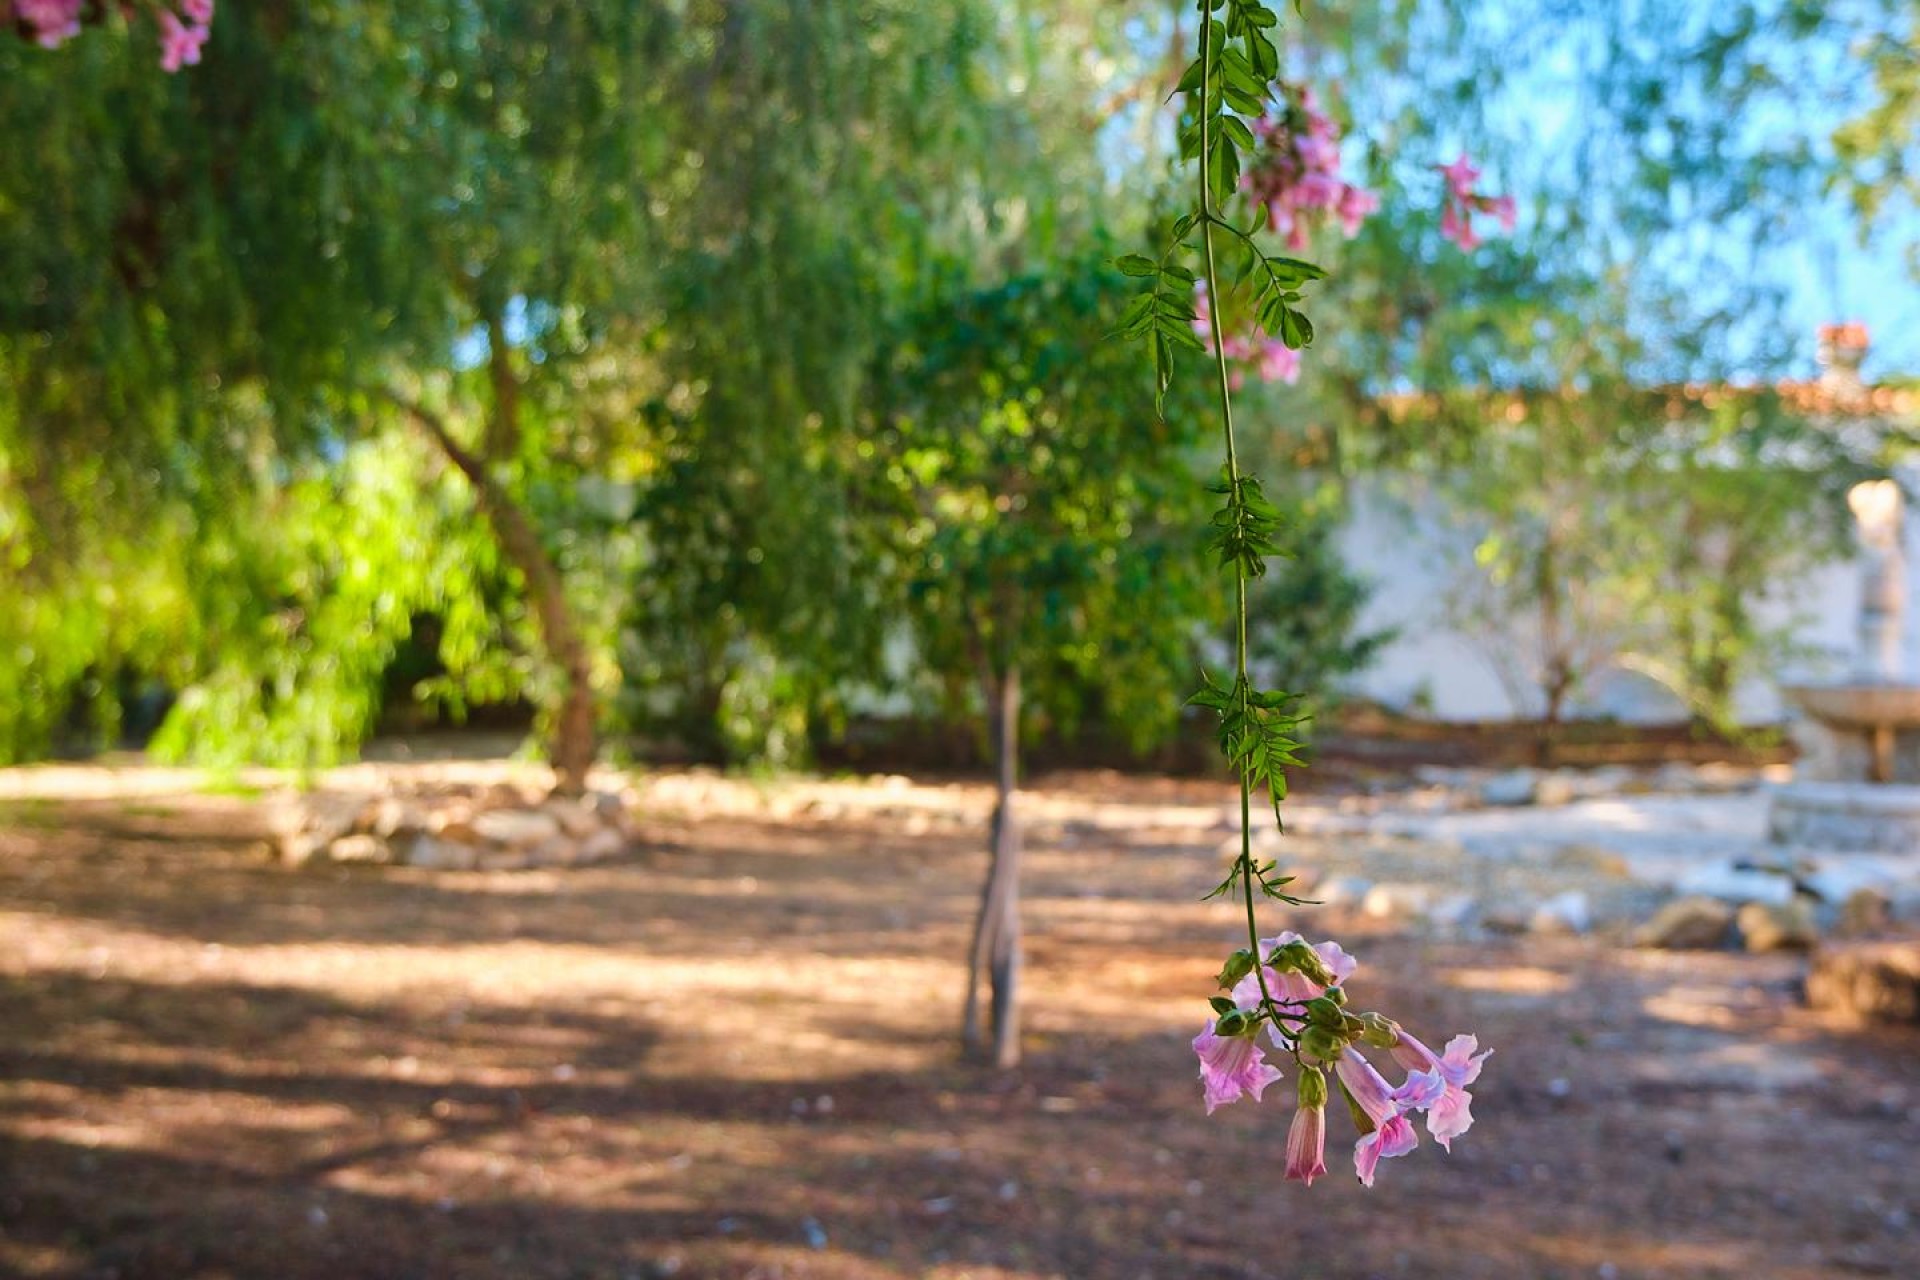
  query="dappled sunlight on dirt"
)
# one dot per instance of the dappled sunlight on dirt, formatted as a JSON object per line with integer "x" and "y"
{"x": 1521, "y": 981}
{"x": 732, "y": 1054}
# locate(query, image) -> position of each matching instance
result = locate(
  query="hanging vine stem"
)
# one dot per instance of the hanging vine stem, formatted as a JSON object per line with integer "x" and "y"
{"x": 1226, "y": 85}
{"x": 1241, "y": 680}
{"x": 1296, "y": 991}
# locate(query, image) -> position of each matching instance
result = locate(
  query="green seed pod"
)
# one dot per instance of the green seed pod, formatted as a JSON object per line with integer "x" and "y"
{"x": 1300, "y": 958}
{"x": 1238, "y": 966}
{"x": 1313, "y": 1087}
{"x": 1322, "y": 1043}
{"x": 1325, "y": 1013}
{"x": 1379, "y": 1030}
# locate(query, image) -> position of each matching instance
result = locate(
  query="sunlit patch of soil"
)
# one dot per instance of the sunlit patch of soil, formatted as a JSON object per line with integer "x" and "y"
{"x": 732, "y": 1054}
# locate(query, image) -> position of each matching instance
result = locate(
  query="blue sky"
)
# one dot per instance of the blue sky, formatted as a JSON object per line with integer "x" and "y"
{"x": 1813, "y": 249}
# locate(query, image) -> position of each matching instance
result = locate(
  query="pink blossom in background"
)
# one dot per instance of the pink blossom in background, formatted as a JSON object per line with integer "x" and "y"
{"x": 1279, "y": 362}
{"x": 1459, "y": 1066}
{"x": 1462, "y": 200}
{"x": 1203, "y": 315}
{"x": 1296, "y": 174}
{"x": 1272, "y": 360}
{"x": 1460, "y": 176}
{"x": 53, "y": 21}
{"x": 1231, "y": 1067}
{"x": 1457, "y": 226}
{"x": 179, "y": 42}
{"x": 1354, "y": 207}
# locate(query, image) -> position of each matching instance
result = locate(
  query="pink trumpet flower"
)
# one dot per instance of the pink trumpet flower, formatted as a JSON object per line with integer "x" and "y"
{"x": 1458, "y": 1066}
{"x": 1307, "y": 1145}
{"x": 1231, "y": 1067}
{"x": 1307, "y": 1139}
{"x": 1387, "y": 1108}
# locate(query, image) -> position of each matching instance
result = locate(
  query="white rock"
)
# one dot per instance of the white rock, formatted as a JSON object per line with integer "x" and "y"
{"x": 1729, "y": 884}
{"x": 577, "y": 818}
{"x": 1788, "y": 926}
{"x": 391, "y": 816}
{"x": 1340, "y": 891}
{"x": 286, "y": 813}
{"x": 450, "y": 814}
{"x": 440, "y": 854}
{"x": 516, "y": 827}
{"x": 297, "y": 848}
{"x": 1397, "y": 901}
{"x": 1454, "y": 913}
{"x": 509, "y": 795}
{"x": 1839, "y": 880}
{"x": 1568, "y": 912}
{"x": 1591, "y": 784}
{"x": 326, "y": 814}
{"x": 604, "y": 843}
{"x": 1869, "y": 980}
{"x": 1514, "y": 787}
{"x": 561, "y": 851}
{"x": 1592, "y": 859}
{"x": 1678, "y": 776}
{"x": 360, "y": 848}
{"x": 1555, "y": 789}
{"x": 1690, "y": 922}
{"x": 1865, "y": 911}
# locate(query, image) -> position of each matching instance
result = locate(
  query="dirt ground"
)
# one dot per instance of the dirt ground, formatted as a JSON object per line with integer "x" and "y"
{"x": 731, "y": 1055}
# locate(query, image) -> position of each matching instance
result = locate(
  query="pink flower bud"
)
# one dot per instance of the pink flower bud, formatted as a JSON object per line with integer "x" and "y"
{"x": 1307, "y": 1144}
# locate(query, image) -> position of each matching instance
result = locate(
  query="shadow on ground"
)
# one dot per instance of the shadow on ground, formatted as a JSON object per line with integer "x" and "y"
{"x": 729, "y": 1056}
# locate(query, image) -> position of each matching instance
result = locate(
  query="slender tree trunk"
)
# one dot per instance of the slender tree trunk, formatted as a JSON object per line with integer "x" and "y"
{"x": 1555, "y": 681}
{"x": 1547, "y": 747}
{"x": 996, "y": 933}
{"x": 575, "y": 737}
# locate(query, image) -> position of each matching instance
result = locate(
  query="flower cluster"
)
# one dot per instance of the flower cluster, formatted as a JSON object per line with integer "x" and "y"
{"x": 1298, "y": 993}
{"x": 1296, "y": 176}
{"x": 48, "y": 23}
{"x": 180, "y": 41}
{"x": 1463, "y": 201}
{"x": 1270, "y": 358}
{"x": 51, "y": 23}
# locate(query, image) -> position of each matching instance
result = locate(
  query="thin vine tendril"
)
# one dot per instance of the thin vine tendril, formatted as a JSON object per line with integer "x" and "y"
{"x": 1242, "y": 683}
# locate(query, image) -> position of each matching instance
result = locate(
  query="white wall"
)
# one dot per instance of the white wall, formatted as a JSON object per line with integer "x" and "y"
{"x": 1398, "y": 538}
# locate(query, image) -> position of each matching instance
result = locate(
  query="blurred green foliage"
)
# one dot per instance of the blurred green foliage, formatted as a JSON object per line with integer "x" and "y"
{"x": 754, "y": 314}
